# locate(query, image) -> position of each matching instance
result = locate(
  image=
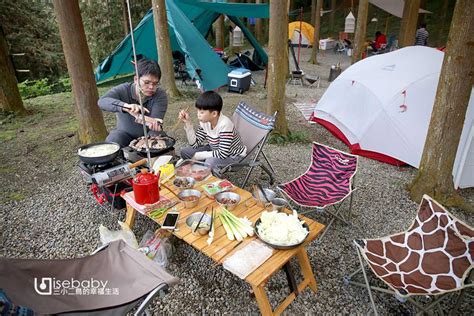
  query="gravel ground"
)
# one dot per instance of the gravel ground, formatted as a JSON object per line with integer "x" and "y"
{"x": 61, "y": 219}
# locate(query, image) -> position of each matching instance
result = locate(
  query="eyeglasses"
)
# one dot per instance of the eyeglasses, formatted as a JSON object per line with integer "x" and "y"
{"x": 153, "y": 84}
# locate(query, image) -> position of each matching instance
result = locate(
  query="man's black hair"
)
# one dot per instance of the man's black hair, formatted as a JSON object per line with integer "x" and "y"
{"x": 423, "y": 25}
{"x": 148, "y": 67}
{"x": 209, "y": 100}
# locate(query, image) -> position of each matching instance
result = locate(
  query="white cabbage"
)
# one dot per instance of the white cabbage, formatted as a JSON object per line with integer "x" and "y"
{"x": 281, "y": 229}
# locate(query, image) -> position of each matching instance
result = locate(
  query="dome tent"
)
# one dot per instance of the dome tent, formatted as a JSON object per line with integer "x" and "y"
{"x": 307, "y": 33}
{"x": 381, "y": 108}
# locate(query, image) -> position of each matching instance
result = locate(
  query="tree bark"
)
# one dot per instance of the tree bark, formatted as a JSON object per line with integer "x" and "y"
{"x": 260, "y": 27}
{"x": 10, "y": 99}
{"x": 278, "y": 45}
{"x": 125, "y": 25}
{"x": 313, "y": 12}
{"x": 163, "y": 44}
{"x": 361, "y": 29}
{"x": 332, "y": 16}
{"x": 443, "y": 11}
{"x": 409, "y": 23}
{"x": 317, "y": 31}
{"x": 78, "y": 60}
{"x": 219, "y": 24}
{"x": 452, "y": 98}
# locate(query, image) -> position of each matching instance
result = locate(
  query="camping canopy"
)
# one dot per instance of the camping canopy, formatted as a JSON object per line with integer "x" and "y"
{"x": 307, "y": 33}
{"x": 381, "y": 108}
{"x": 189, "y": 22}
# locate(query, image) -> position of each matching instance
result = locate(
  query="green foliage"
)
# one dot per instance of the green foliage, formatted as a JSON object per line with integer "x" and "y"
{"x": 30, "y": 28}
{"x": 293, "y": 137}
{"x": 34, "y": 88}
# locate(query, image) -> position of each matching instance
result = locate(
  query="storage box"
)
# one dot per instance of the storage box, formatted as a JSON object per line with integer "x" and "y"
{"x": 239, "y": 80}
{"x": 326, "y": 44}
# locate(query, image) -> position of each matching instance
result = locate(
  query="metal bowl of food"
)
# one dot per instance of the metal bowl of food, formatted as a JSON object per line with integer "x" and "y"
{"x": 263, "y": 199}
{"x": 189, "y": 197}
{"x": 279, "y": 204}
{"x": 183, "y": 183}
{"x": 229, "y": 200}
{"x": 204, "y": 226}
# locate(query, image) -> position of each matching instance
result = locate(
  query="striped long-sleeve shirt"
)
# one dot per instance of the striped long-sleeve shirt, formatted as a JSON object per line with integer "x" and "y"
{"x": 224, "y": 139}
{"x": 421, "y": 37}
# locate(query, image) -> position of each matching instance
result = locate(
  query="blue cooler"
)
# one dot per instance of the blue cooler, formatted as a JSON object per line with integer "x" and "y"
{"x": 239, "y": 80}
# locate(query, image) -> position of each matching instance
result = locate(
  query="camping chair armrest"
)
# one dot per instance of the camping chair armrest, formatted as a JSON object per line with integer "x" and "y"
{"x": 160, "y": 289}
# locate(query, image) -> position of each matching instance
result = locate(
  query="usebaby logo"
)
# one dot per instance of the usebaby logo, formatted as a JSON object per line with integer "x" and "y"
{"x": 53, "y": 286}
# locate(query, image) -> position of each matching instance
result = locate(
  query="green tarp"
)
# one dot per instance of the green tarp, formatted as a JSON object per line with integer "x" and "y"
{"x": 189, "y": 23}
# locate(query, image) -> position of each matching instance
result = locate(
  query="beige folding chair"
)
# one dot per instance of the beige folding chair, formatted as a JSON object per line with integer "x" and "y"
{"x": 109, "y": 282}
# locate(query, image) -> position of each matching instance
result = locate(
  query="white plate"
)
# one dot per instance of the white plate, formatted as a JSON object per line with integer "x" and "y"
{"x": 160, "y": 161}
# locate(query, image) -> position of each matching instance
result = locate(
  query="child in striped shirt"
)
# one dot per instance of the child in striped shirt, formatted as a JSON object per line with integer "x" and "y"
{"x": 216, "y": 141}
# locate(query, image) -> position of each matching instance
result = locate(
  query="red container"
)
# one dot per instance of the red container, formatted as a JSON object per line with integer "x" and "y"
{"x": 145, "y": 188}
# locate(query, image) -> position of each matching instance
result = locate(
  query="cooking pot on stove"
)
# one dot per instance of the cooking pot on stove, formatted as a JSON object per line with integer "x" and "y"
{"x": 145, "y": 188}
{"x": 98, "y": 153}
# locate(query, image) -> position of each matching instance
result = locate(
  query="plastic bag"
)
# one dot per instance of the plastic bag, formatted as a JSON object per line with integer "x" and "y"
{"x": 107, "y": 236}
{"x": 157, "y": 247}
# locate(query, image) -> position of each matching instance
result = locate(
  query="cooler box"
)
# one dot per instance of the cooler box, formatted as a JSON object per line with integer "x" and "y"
{"x": 239, "y": 80}
{"x": 326, "y": 44}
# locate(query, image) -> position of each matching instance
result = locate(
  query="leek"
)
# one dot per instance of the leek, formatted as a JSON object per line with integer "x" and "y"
{"x": 236, "y": 228}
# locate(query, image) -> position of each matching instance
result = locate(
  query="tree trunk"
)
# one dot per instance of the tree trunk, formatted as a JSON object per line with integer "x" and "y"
{"x": 332, "y": 16}
{"x": 313, "y": 12}
{"x": 452, "y": 98}
{"x": 219, "y": 24}
{"x": 317, "y": 31}
{"x": 278, "y": 45}
{"x": 165, "y": 58}
{"x": 10, "y": 99}
{"x": 260, "y": 28}
{"x": 78, "y": 60}
{"x": 361, "y": 29}
{"x": 408, "y": 23}
{"x": 442, "y": 15}
{"x": 125, "y": 25}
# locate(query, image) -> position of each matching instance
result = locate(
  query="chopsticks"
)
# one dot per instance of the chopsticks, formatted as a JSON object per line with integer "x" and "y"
{"x": 176, "y": 125}
{"x": 202, "y": 216}
{"x": 166, "y": 187}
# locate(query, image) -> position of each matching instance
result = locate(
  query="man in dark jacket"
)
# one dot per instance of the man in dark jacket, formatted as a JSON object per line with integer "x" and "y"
{"x": 124, "y": 101}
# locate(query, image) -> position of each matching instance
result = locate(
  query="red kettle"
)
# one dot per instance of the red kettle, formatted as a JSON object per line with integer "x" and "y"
{"x": 145, "y": 188}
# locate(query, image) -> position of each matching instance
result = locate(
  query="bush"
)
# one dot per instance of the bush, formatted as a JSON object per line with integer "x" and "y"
{"x": 293, "y": 137}
{"x": 35, "y": 88}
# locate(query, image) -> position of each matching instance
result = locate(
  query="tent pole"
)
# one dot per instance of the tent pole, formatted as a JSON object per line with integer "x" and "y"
{"x": 299, "y": 39}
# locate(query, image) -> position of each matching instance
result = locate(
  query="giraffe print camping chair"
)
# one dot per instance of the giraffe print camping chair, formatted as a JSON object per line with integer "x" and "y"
{"x": 327, "y": 182}
{"x": 434, "y": 256}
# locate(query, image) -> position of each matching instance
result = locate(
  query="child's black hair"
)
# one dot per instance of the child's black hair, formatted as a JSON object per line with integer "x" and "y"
{"x": 209, "y": 100}
{"x": 148, "y": 67}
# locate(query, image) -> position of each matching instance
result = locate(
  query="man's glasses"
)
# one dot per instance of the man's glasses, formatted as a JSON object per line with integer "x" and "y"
{"x": 153, "y": 84}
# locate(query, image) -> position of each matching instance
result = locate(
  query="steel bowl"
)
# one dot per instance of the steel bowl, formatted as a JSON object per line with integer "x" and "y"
{"x": 277, "y": 246}
{"x": 279, "y": 204}
{"x": 178, "y": 182}
{"x": 204, "y": 226}
{"x": 228, "y": 195}
{"x": 186, "y": 193}
{"x": 261, "y": 199}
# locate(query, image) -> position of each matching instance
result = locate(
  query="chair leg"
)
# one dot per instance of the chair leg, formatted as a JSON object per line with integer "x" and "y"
{"x": 161, "y": 290}
{"x": 366, "y": 282}
{"x": 268, "y": 162}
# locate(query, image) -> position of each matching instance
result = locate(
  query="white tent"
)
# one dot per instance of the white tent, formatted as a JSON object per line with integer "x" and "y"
{"x": 381, "y": 107}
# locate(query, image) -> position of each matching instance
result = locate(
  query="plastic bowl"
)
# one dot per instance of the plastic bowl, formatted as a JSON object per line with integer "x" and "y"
{"x": 185, "y": 195}
{"x": 204, "y": 226}
{"x": 222, "y": 197}
{"x": 183, "y": 183}
{"x": 261, "y": 199}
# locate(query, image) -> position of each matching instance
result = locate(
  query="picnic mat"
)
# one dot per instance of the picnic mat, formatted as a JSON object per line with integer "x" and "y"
{"x": 306, "y": 109}
{"x": 129, "y": 197}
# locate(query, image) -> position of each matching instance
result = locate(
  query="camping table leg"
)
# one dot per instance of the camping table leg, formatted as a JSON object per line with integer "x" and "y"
{"x": 262, "y": 299}
{"x": 306, "y": 269}
{"x": 291, "y": 278}
{"x": 130, "y": 217}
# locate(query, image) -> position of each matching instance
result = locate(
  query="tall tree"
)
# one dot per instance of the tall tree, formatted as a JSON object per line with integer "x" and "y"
{"x": 259, "y": 27}
{"x": 278, "y": 45}
{"x": 10, "y": 99}
{"x": 408, "y": 23}
{"x": 78, "y": 60}
{"x": 317, "y": 32}
{"x": 164, "y": 48}
{"x": 442, "y": 16}
{"x": 361, "y": 29}
{"x": 219, "y": 25}
{"x": 452, "y": 98}
{"x": 313, "y": 12}
{"x": 125, "y": 24}
{"x": 332, "y": 15}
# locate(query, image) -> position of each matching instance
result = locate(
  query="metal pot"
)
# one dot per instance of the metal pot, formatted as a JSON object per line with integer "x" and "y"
{"x": 170, "y": 141}
{"x": 98, "y": 160}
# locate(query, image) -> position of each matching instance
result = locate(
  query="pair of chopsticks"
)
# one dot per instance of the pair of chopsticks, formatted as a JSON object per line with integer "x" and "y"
{"x": 202, "y": 216}
{"x": 176, "y": 125}
{"x": 166, "y": 187}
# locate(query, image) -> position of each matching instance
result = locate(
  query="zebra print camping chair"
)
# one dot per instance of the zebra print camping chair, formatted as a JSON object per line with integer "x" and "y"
{"x": 327, "y": 182}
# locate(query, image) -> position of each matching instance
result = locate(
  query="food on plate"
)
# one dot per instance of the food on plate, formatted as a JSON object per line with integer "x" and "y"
{"x": 198, "y": 171}
{"x": 281, "y": 229}
{"x": 218, "y": 187}
{"x": 154, "y": 142}
{"x": 228, "y": 201}
{"x": 184, "y": 183}
{"x": 99, "y": 150}
{"x": 190, "y": 198}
